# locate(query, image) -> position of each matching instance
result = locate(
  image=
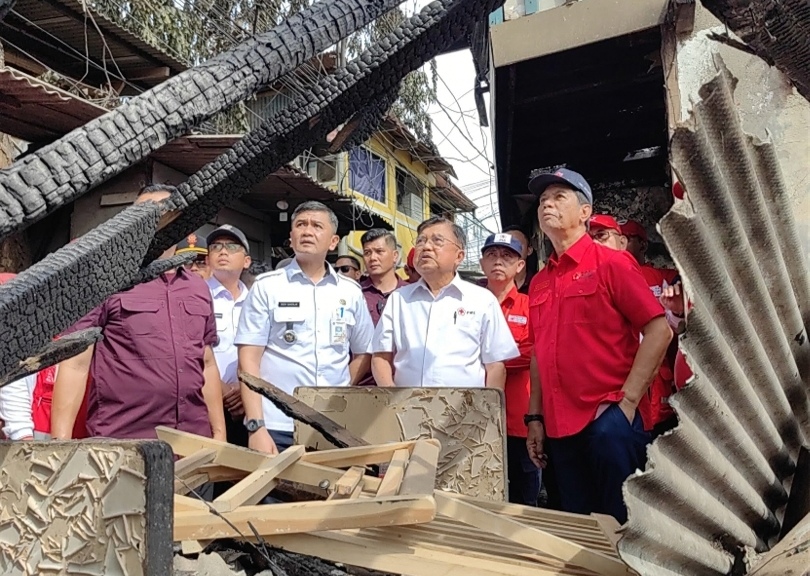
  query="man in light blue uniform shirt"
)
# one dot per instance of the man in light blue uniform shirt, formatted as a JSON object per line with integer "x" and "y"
{"x": 228, "y": 257}
{"x": 298, "y": 326}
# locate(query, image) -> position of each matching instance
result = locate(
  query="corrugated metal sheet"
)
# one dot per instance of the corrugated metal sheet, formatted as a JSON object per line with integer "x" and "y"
{"x": 713, "y": 489}
{"x": 35, "y": 111}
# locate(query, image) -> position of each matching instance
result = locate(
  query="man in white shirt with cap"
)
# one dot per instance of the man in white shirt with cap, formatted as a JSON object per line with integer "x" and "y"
{"x": 298, "y": 326}
{"x": 441, "y": 330}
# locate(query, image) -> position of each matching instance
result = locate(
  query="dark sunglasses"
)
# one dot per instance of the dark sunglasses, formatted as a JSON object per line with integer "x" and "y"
{"x": 347, "y": 269}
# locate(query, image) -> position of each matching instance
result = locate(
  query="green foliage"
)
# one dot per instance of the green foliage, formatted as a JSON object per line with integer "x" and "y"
{"x": 191, "y": 31}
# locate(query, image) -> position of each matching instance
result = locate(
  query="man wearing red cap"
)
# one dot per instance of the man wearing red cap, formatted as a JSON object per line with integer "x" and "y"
{"x": 606, "y": 231}
{"x": 658, "y": 279}
{"x": 410, "y": 269}
{"x": 587, "y": 307}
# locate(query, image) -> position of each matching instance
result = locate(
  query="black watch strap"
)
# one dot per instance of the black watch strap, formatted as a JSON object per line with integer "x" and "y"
{"x": 533, "y": 418}
{"x": 254, "y": 425}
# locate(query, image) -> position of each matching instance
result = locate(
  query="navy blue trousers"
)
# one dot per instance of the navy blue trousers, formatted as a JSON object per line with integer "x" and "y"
{"x": 591, "y": 466}
{"x": 523, "y": 475}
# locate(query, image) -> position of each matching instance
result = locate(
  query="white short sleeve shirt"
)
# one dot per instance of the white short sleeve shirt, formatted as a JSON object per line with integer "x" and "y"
{"x": 226, "y": 312}
{"x": 307, "y": 330}
{"x": 443, "y": 340}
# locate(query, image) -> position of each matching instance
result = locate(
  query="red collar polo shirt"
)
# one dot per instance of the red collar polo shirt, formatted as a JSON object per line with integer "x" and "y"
{"x": 515, "y": 309}
{"x": 147, "y": 370}
{"x": 587, "y": 308}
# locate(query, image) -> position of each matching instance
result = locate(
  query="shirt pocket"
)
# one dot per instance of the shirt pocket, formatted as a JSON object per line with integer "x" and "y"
{"x": 287, "y": 327}
{"x": 350, "y": 322}
{"x": 196, "y": 315}
{"x": 143, "y": 317}
{"x": 538, "y": 304}
{"x": 581, "y": 303}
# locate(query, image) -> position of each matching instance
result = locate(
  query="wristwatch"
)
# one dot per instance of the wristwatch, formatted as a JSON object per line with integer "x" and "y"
{"x": 533, "y": 418}
{"x": 253, "y": 425}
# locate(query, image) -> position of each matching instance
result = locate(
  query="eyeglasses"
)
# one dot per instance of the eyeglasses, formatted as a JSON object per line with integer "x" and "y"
{"x": 197, "y": 263}
{"x": 347, "y": 269}
{"x": 603, "y": 235}
{"x": 231, "y": 247}
{"x": 436, "y": 240}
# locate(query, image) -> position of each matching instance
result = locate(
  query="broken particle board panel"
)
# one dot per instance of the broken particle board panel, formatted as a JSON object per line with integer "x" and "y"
{"x": 90, "y": 507}
{"x": 469, "y": 423}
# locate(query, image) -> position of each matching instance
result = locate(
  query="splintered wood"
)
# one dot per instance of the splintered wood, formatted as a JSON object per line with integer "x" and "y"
{"x": 237, "y": 512}
{"x": 396, "y": 523}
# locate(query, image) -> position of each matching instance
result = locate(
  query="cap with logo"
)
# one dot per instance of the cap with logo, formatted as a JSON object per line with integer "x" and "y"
{"x": 505, "y": 240}
{"x": 604, "y": 221}
{"x": 633, "y": 228}
{"x": 233, "y": 232}
{"x": 539, "y": 183}
{"x": 192, "y": 243}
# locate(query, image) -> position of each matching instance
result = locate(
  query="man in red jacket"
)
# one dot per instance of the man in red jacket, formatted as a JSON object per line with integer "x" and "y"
{"x": 501, "y": 261}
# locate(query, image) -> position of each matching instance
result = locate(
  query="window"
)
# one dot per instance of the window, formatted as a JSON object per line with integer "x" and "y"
{"x": 410, "y": 195}
{"x": 323, "y": 169}
{"x": 367, "y": 174}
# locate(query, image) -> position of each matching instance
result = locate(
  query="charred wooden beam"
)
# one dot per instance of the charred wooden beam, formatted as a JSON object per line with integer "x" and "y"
{"x": 297, "y": 410}
{"x": 776, "y": 30}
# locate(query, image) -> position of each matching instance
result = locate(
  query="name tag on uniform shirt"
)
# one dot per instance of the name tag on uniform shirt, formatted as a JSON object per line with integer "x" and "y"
{"x": 338, "y": 331}
{"x": 218, "y": 315}
{"x": 283, "y": 314}
{"x": 517, "y": 319}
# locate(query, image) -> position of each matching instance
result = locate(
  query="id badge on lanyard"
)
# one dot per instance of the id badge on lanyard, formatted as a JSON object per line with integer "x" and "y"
{"x": 338, "y": 330}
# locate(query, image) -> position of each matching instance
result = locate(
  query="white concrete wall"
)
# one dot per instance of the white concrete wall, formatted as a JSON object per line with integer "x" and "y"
{"x": 768, "y": 104}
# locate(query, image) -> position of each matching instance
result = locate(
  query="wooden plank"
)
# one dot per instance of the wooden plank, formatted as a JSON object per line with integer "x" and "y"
{"x": 533, "y": 538}
{"x": 189, "y": 483}
{"x": 527, "y": 512}
{"x": 236, "y": 458}
{"x": 396, "y": 558}
{"x": 420, "y": 476}
{"x": 186, "y": 503}
{"x": 358, "y": 456}
{"x": 393, "y": 476}
{"x": 297, "y": 410}
{"x": 348, "y": 484}
{"x": 270, "y": 519}
{"x": 610, "y": 528}
{"x": 252, "y": 489}
{"x": 189, "y": 464}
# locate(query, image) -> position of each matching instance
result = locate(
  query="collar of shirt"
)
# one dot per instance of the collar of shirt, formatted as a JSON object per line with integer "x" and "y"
{"x": 293, "y": 269}
{"x": 576, "y": 252}
{"x": 458, "y": 285}
{"x": 368, "y": 286}
{"x": 219, "y": 291}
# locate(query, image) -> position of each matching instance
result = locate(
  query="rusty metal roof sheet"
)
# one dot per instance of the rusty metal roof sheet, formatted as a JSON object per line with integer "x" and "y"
{"x": 713, "y": 488}
{"x": 64, "y": 33}
{"x": 35, "y": 111}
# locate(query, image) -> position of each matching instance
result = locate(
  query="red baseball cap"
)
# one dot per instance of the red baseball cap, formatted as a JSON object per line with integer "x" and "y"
{"x": 633, "y": 228}
{"x": 604, "y": 221}
{"x": 410, "y": 258}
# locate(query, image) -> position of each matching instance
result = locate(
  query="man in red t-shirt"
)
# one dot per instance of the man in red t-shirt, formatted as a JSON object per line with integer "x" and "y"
{"x": 502, "y": 261}
{"x": 658, "y": 279}
{"x": 588, "y": 306}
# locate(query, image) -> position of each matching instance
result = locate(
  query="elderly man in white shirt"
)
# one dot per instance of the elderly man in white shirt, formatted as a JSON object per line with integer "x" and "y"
{"x": 298, "y": 326}
{"x": 441, "y": 330}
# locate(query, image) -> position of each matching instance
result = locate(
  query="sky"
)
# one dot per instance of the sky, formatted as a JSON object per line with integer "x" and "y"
{"x": 460, "y": 137}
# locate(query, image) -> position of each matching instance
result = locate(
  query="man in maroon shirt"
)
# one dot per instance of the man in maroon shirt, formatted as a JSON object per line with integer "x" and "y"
{"x": 587, "y": 307}
{"x": 380, "y": 255}
{"x": 155, "y": 365}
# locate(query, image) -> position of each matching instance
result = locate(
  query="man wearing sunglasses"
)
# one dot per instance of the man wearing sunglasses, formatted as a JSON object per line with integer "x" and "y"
{"x": 349, "y": 266}
{"x": 197, "y": 245}
{"x": 228, "y": 257}
{"x": 604, "y": 230}
{"x": 441, "y": 330}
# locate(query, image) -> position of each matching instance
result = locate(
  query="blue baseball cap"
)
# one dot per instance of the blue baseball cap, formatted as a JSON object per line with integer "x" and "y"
{"x": 539, "y": 183}
{"x": 505, "y": 240}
